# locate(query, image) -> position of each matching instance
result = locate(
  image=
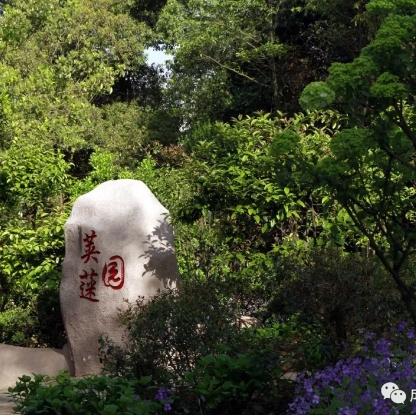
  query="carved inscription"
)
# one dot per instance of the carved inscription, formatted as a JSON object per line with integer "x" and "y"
{"x": 88, "y": 287}
{"x": 90, "y": 247}
{"x": 112, "y": 273}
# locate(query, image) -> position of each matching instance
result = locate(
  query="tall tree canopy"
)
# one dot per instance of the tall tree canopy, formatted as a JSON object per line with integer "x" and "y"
{"x": 56, "y": 58}
{"x": 236, "y": 56}
{"x": 372, "y": 170}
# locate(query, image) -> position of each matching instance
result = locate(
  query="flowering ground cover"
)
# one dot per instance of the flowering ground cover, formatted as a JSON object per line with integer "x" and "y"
{"x": 354, "y": 386}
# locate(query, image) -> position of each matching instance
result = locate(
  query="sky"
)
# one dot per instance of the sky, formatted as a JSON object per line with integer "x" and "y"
{"x": 156, "y": 56}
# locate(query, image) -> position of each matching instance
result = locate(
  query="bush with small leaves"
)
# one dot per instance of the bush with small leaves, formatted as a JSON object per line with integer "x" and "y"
{"x": 180, "y": 340}
{"x": 101, "y": 395}
{"x": 333, "y": 294}
{"x": 167, "y": 334}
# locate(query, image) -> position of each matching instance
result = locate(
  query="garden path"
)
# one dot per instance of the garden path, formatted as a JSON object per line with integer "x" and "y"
{"x": 6, "y": 407}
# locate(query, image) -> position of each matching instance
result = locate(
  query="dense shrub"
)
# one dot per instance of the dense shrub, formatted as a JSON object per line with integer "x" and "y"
{"x": 337, "y": 294}
{"x": 303, "y": 343}
{"x": 36, "y": 324}
{"x": 169, "y": 333}
{"x": 235, "y": 385}
{"x": 101, "y": 395}
{"x": 16, "y": 327}
{"x": 192, "y": 342}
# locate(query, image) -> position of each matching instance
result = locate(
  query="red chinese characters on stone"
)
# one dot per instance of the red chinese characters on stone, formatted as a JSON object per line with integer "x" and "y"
{"x": 113, "y": 273}
{"x": 90, "y": 247}
{"x": 88, "y": 287}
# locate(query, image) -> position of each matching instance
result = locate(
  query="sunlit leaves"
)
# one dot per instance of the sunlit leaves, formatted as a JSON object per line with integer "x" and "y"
{"x": 316, "y": 96}
{"x": 284, "y": 142}
{"x": 388, "y": 86}
{"x": 372, "y": 167}
{"x": 64, "y": 55}
{"x": 352, "y": 144}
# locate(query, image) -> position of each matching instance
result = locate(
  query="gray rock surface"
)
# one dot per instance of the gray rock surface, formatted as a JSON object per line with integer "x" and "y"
{"x": 6, "y": 406}
{"x": 119, "y": 245}
{"x": 18, "y": 361}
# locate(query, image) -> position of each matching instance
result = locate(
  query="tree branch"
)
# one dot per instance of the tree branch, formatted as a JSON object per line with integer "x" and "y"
{"x": 403, "y": 124}
{"x": 389, "y": 151}
{"x": 233, "y": 70}
{"x": 400, "y": 283}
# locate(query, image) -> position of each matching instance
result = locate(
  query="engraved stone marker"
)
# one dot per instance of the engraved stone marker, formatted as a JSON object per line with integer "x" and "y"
{"x": 118, "y": 245}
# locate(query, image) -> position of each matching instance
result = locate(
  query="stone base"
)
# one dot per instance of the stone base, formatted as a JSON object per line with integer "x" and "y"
{"x": 18, "y": 361}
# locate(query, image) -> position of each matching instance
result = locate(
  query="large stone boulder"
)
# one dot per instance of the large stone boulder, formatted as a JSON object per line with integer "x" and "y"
{"x": 119, "y": 245}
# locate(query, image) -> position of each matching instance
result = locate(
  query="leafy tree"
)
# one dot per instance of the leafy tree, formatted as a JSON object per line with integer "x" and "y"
{"x": 147, "y": 11}
{"x": 248, "y": 179}
{"x": 35, "y": 185}
{"x": 237, "y": 57}
{"x": 371, "y": 169}
{"x": 256, "y": 200}
{"x": 60, "y": 57}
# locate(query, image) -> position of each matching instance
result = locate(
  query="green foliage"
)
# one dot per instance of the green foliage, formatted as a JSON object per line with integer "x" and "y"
{"x": 124, "y": 132}
{"x": 284, "y": 142}
{"x": 158, "y": 333}
{"x": 103, "y": 169}
{"x": 337, "y": 294}
{"x": 394, "y": 7}
{"x": 351, "y": 145}
{"x": 256, "y": 178}
{"x": 34, "y": 180}
{"x": 14, "y": 325}
{"x": 316, "y": 96}
{"x": 237, "y": 57}
{"x": 302, "y": 340}
{"x": 35, "y": 322}
{"x": 234, "y": 175}
{"x": 387, "y": 86}
{"x": 34, "y": 183}
{"x": 30, "y": 255}
{"x": 104, "y": 395}
{"x": 220, "y": 365}
{"x": 32, "y": 173}
{"x": 371, "y": 169}
{"x": 223, "y": 381}
{"x": 57, "y": 58}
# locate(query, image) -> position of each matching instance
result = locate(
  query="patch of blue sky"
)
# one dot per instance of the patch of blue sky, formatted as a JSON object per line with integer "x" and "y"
{"x": 158, "y": 57}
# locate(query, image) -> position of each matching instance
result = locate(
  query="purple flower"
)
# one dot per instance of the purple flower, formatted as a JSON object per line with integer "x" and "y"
{"x": 163, "y": 395}
{"x": 401, "y": 327}
{"x": 347, "y": 411}
{"x": 353, "y": 385}
{"x": 382, "y": 347}
{"x": 411, "y": 334}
